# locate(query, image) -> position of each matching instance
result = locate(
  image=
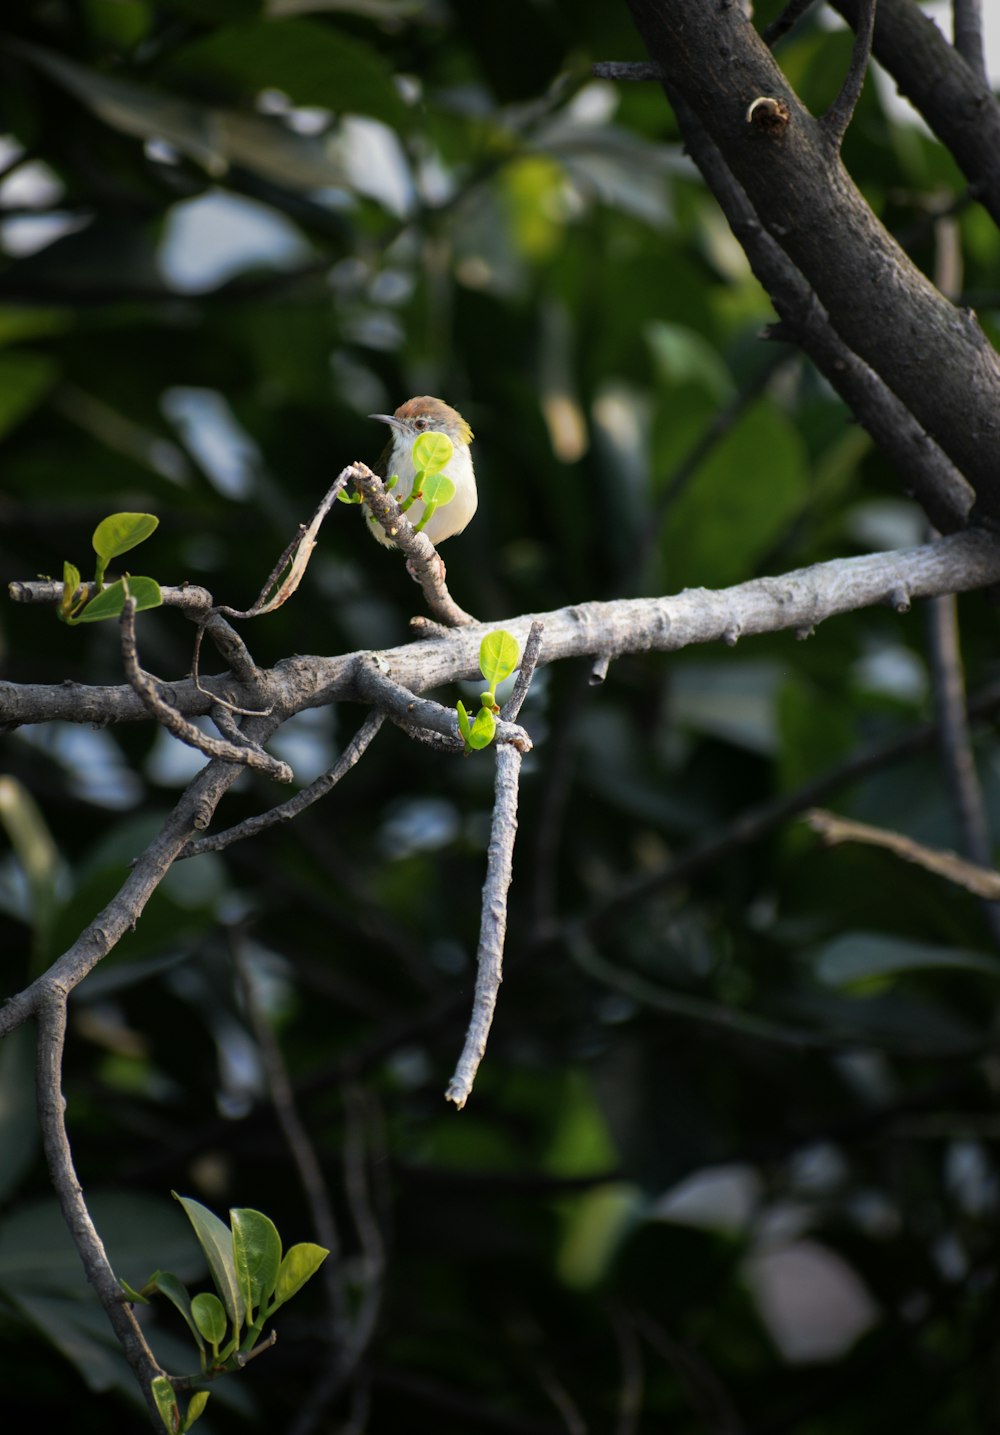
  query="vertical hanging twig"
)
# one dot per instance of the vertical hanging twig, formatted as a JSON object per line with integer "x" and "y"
{"x": 838, "y": 116}
{"x": 967, "y": 35}
{"x": 493, "y": 928}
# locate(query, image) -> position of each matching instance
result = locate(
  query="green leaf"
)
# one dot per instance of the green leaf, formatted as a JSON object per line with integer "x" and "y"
{"x": 437, "y": 488}
{"x": 209, "y": 1317}
{"x": 111, "y": 600}
{"x": 483, "y": 729}
{"x": 38, "y": 858}
{"x": 165, "y": 1283}
{"x": 432, "y": 452}
{"x": 257, "y": 1251}
{"x": 196, "y": 1407}
{"x": 299, "y": 1264}
{"x": 119, "y": 532}
{"x": 464, "y": 726}
{"x": 71, "y": 582}
{"x": 311, "y": 63}
{"x": 25, "y": 379}
{"x": 718, "y": 528}
{"x": 166, "y": 1403}
{"x": 216, "y": 1240}
{"x": 866, "y": 956}
{"x": 498, "y": 656}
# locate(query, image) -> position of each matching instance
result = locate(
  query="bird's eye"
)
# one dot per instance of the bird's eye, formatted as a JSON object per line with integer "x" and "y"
{"x": 422, "y": 423}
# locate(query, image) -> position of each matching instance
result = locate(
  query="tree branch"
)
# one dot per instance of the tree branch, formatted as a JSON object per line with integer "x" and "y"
{"x": 838, "y": 116}
{"x": 51, "y": 1016}
{"x": 981, "y": 881}
{"x": 880, "y": 304}
{"x": 285, "y": 811}
{"x": 493, "y": 928}
{"x": 797, "y": 601}
{"x": 952, "y": 96}
{"x": 246, "y": 755}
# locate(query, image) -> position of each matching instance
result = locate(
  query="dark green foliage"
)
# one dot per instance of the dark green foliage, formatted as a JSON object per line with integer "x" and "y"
{"x": 802, "y": 1034}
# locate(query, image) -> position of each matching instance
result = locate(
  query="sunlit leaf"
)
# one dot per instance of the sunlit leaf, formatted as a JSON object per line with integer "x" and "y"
{"x": 432, "y": 452}
{"x": 216, "y": 1240}
{"x": 119, "y": 532}
{"x": 111, "y": 600}
{"x": 483, "y": 729}
{"x": 498, "y": 656}
{"x": 299, "y": 1264}
{"x": 257, "y": 1252}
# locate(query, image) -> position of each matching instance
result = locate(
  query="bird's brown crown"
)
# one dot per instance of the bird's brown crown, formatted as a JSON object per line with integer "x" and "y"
{"x": 425, "y": 413}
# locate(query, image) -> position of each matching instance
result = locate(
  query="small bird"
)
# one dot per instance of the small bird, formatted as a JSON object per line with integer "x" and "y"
{"x": 426, "y": 414}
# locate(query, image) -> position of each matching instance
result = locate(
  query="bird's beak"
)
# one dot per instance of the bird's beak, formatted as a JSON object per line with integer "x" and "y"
{"x": 389, "y": 419}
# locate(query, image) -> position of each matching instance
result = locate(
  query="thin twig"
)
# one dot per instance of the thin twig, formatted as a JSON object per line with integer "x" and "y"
{"x": 740, "y": 1023}
{"x": 424, "y": 563}
{"x": 178, "y": 726}
{"x": 935, "y": 482}
{"x": 300, "y": 1146}
{"x": 416, "y": 715}
{"x": 51, "y": 1015}
{"x": 956, "y": 744}
{"x": 281, "y": 584}
{"x": 789, "y": 17}
{"x": 981, "y": 881}
{"x": 489, "y": 958}
{"x": 192, "y": 813}
{"x": 630, "y": 1398}
{"x": 285, "y": 811}
{"x": 755, "y": 822}
{"x": 705, "y": 1392}
{"x": 838, "y": 116}
{"x": 627, "y": 70}
{"x": 967, "y": 31}
{"x": 529, "y": 661}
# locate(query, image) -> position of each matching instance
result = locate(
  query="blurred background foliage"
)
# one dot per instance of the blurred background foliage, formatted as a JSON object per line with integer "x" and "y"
{"x": 730, "y": 1164}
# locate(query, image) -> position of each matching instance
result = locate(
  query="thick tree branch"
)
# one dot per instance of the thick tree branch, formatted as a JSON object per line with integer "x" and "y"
{"x": 797, "y": 601}
{"x": 925, "y": 471}
{"x": 880, "y": 304}
{"x": 953, "y": 96}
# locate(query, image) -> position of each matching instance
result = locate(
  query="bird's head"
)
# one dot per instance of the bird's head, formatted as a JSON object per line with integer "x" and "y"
{"x": 427, "y": 414}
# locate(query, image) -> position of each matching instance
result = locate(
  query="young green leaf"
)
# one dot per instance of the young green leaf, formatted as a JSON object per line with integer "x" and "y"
{"x": 431, "y": 453}
{"x": 464, "y": 726}
{"x": 437, "y": 488}
{"x": 498, "y": 656}
{"x": 111, "y": 600}
{"x": 483, "y": 729}
{"x": 71, "y": 582}
{"x": 216, "y": 1240}
{"x": 116, "y": 534}
{"x": 196, "y": 1406}
{"x": 166, "y": 1403}
{"x": 133, "y": 1295}
{"x": 210, "y": 1318}
{"x": 257, "y": 1251}
{"x": 301, "y": 1262}
{"x": 175, "y": 1291}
